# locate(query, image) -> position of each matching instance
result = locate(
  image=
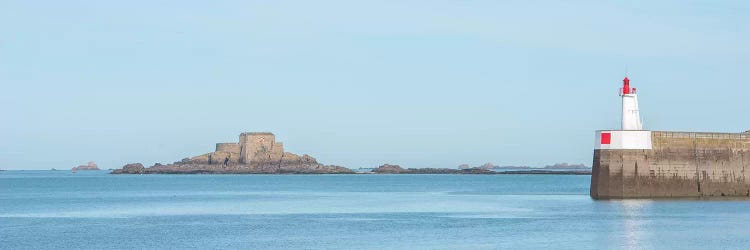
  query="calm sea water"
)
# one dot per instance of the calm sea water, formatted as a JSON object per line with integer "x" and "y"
{"x": 94, "y": 210}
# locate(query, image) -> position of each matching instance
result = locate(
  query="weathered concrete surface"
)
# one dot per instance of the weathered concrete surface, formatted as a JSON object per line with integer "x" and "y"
{"x": 681, "y": 164}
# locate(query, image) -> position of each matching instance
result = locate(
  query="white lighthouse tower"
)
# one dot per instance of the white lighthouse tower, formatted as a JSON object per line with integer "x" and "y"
{"x": 631, "y": 118}
{"x": 631, "y": 135}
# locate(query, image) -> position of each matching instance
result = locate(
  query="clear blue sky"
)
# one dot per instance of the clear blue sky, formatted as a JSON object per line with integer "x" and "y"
{"x": 360, "y": 83}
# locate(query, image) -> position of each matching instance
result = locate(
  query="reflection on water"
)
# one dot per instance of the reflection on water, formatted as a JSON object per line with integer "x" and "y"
{"x": 634, "y": 223}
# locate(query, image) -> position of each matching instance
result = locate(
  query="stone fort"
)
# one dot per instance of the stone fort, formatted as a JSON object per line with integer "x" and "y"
{"x": 253, "y": 147}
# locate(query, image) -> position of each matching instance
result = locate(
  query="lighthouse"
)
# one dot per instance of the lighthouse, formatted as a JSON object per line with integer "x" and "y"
{"x": 631, "y": 118}
{"x": 630, "y": 162}
{"x": 631, "y": 134}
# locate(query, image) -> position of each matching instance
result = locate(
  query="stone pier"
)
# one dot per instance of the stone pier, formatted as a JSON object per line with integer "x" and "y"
{"x": 680, "y": 164}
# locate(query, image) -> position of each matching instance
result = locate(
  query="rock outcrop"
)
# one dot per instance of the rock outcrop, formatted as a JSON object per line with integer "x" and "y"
{"x": 388, "y": 169}
{"x": 256, "y": 153}
{"x": 396, "y": 169}
{"x": 132, "y": 168}
{"x": 488, "y": 166}
{"x": 566, "y": 166}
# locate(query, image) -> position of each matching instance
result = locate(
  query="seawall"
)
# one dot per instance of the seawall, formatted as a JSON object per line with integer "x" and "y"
{"x": 678, "y": 164}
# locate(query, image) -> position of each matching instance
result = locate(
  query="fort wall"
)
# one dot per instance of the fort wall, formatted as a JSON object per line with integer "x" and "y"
{"x": 259, "y": 146}
{"x": 679, "y": 164}
{"x": 229, "y": 147}
{"x": 254, "y": 147}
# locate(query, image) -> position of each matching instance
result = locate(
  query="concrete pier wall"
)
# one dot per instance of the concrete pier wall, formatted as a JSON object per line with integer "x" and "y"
{"x": 680, "y": 164}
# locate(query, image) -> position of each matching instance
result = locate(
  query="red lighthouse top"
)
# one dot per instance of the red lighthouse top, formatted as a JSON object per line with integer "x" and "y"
{"x": 626, "y": 87}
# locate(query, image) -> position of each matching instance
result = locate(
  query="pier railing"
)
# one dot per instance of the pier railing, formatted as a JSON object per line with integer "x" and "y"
{"x": 702, "y": 135}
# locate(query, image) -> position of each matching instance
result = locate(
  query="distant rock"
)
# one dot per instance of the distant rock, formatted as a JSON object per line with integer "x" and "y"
{"x": 566, "y": 166}
{"x": 552, "y": 172}
{"x": 512, "y": 167}
{"x": 487, "y": 166}
{"x": 396, "y": 169}
{"x": 464, "y": 166}
{"x": 388, "y": 169}
{"x": 132, "y": 168}
{"x": 90, "y": 166}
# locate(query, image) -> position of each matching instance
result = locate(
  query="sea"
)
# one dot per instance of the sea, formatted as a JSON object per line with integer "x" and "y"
{"x": 96, "y": 210}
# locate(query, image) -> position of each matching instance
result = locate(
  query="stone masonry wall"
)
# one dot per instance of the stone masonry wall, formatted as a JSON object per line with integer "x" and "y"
{"x": 259, "y": 147}
{"x": 228, "y": 147}
{"x": 681, "y": 164}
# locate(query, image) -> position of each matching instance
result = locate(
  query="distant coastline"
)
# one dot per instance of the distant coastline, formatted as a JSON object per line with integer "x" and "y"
{"x": 396, "y": 169}
{"x": 138, "y": 168}
{"x": 260, "y": 153}
{"x": 564, "y": 166}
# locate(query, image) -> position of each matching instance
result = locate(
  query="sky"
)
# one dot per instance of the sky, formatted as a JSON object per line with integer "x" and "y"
{"x": 360, "y": 83}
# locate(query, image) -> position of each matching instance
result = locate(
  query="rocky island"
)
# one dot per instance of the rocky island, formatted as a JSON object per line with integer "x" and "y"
{"x": 255, "y": 153}
{"x": 90, "y": 166}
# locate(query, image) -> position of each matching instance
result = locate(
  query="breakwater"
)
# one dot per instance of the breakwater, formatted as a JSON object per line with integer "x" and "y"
{"x": 677, "y": 164}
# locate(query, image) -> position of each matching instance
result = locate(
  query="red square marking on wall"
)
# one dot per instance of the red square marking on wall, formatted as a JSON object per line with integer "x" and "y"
{"x": 606, "y": 138}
